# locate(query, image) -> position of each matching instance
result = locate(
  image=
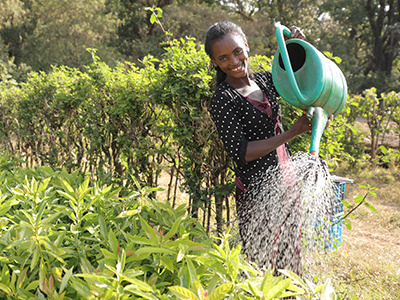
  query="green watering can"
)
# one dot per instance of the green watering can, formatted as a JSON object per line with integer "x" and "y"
{"x": 307, "y": 79}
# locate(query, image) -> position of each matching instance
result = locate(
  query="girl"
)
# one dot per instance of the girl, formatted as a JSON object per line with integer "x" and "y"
{"x": 247, "y": 114}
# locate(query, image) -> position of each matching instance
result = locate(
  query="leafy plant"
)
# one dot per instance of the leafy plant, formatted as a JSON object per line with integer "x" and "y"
{"x": 358, "y": 201}
{"x": 63, "y": 236}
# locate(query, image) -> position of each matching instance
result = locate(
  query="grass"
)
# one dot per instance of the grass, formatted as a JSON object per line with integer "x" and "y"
{"x": 367, "y": 265}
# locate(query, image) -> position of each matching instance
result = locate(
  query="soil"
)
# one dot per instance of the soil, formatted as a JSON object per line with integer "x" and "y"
{"x": 389, "y": 140}
{"x": 367, "y": 265}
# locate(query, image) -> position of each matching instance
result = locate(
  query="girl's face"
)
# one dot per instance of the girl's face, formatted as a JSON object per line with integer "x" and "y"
{"x": 231, "y": 54}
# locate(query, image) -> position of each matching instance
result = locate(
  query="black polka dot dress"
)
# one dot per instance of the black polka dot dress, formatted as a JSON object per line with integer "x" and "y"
{"x": 239, "y": 122}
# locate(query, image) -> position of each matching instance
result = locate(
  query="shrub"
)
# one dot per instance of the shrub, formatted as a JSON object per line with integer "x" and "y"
{"x": 64, "y": 236}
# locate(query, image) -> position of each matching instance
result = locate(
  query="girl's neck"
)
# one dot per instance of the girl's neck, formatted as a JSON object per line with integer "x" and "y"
{"x": 239, "y": 83}
{"x": 250, "y": 89}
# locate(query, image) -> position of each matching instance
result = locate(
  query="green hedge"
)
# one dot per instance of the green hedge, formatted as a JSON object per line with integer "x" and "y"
{"x": 123, "y": 123}
{"x": 129, "y": 122}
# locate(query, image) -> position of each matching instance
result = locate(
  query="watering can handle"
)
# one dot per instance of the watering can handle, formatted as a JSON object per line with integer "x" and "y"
{"x": 280, "y": 30}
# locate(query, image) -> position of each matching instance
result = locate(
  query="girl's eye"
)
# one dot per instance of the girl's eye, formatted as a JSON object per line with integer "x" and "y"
{"x": 239, "y": 51}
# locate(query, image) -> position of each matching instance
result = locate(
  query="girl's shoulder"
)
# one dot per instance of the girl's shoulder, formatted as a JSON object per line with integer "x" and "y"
{"x": 224, "y": 91}
{"x": 265, "y": 76}
{"x": 265, "y": 82}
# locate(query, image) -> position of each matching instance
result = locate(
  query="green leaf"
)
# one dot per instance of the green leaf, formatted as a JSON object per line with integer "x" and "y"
{"x": 153, "y": 18}
{"x": 173, "y": 230}
{"x": 233, "y": 268}
{"x": 383, "y": 149}
{"x": 159, "y": 12}
{"x": 35, "y": 258}
{"x": 235, "y": 253}
{"x": 167, "y": 263}
{"x": 154, "y": 250}
{"x": 7, "y": 206}
{"x": 103, "y": 226}
{"x": 141, "y": 285}
{"x": 191, "y": 269}
{"x": 112, "y": 241}
{"x": 347, "y": 223}
{"x": 65, "y": 279}
{"x": 183, "y": 293}
{"x": 128, "y": 213}
{"x": 51, "y": 253}
{"x": 40, "y": 213}
{"x": 221, "y": 291}
{"x": 370, "y": 206}
{"x": 295, "y": 278}
{"x": 278, "y": 289}
{"x": 318, "y": 288}
{"x": 268, "y": 282}
{"x": 21, "y": 277}
{"x": 4, "y": 260}
{"x": 220, "y": 251}
{"x": 68, "y": 196}
{"x": 140, "y": 240}
{"x": 82, "y": 288}
{"x": 152, "y": 235}
{"x": 133, "y": 289}
{"x": 5, "y": 289}
{"x": 67, "y": 186}
{"x": 53, "y": 217}
{"x": 44, "y": 184}
{"x": 33, "y": 285}
{"x": 358, "y": 198}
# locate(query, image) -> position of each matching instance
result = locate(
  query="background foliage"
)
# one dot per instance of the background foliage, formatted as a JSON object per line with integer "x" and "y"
{"x": 40, "y": 34}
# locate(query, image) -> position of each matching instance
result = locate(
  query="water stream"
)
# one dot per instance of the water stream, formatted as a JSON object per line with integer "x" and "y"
{"x": 288, "y": 214}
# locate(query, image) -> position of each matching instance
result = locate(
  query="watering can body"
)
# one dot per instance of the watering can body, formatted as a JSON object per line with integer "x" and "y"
{"x": 307, "y": 79}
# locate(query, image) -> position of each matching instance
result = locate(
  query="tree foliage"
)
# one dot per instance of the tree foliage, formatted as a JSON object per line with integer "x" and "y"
{"x": 364, "y": 33}
{"x": 45, "y": 33}
{"x": 370, "y": 31}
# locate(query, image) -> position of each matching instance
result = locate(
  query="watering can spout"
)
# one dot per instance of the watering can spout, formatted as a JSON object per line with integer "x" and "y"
{"x": 319, "y": 119}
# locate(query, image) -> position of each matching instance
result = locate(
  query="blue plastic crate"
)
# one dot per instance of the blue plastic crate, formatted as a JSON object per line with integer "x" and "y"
{"x": 336, "y": 230}
{"x": 336, "y": 235}
{"x": 339, "y": 196}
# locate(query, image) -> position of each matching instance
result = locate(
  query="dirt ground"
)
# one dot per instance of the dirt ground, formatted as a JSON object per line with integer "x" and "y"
{"x": 367, "y": 265}
{"x": 389, "y": 140}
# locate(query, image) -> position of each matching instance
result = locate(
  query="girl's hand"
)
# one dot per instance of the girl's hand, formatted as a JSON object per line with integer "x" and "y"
{"x": 297, "y": 33}
{"x": 303, "y": 124}
{"x": 329, "y": 121}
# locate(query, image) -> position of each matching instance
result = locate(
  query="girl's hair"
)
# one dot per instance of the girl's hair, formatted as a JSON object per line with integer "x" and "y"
{"x": 216, "y": 32}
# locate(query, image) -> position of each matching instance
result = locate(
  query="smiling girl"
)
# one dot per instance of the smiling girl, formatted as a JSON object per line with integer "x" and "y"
{"x": 247, "y": 114}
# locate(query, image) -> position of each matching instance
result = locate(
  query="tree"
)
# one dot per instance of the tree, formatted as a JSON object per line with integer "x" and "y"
{"x": 58, "y": 32}
{"x": 371, "y": 35}
{"x": 136, "y": 35}
{"x": 258, "y": 19}
{"x": 12, "y": 15}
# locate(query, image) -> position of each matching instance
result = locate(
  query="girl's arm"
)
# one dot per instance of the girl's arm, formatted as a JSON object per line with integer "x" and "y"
{"x": 259, "y": 148}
